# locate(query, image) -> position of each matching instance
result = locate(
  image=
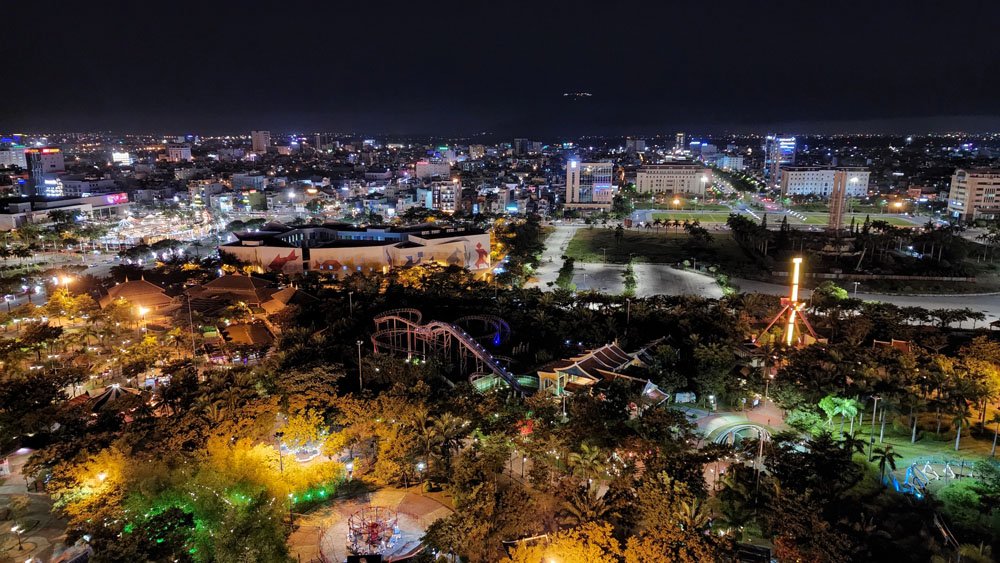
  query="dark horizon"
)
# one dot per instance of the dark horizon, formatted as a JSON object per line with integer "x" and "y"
{"x": 886, "y": 67}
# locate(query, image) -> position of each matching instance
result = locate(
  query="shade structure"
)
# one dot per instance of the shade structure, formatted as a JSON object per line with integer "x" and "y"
{"x": 111, "y": 393}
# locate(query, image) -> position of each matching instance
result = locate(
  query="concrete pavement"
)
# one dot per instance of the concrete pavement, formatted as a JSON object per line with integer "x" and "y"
{"x": 44, "y": 532}
{"x": 989, "y": 304}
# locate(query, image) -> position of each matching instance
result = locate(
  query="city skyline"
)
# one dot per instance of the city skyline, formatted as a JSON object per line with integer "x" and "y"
{"x": 730, "y": 67}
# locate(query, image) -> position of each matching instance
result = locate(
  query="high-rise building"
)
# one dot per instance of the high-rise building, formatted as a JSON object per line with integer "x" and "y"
{"x": 45, "y": 160}
{"x": 679, "y": 139}
{"x": 975, "y": 194}
{"x": 12, "y": 154}
{"x": 444, "y": 195}
{"x": 730, "y": 162}
{"x": 44, "y": 166}
{"x": 521, "y": 147}
{"x": 844, "y": 180}
{"x": 820, "y": 181}
{"x": 778, "y": 151}
{"x": 121, "y": 158}
{"x": 675, "y": 178}
{"x": 428, "y": 169}
{"x": 589, "y": 185}
{"x": 260, "y": 141}
{"x": 633, "y": 146}
{"x": 178, "y": 152}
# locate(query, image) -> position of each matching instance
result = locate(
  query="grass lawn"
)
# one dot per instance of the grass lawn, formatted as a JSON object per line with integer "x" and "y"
{"x": 664, "y": 247}
{"x": 690, "y": 206}
{"x": 691, "y": 216}
{"x": 859, "y": 218}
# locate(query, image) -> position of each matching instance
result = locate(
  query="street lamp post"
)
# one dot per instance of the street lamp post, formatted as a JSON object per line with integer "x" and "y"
{"x": 16, "y": 529}
{"x": 142, "y": 316}
{"x": 871, "y": 440}
{"x": 281, "y": 462}
{"x": 856, "y": 284}
{"x": 361, "y": 381}
{"x": 350, "y": 301}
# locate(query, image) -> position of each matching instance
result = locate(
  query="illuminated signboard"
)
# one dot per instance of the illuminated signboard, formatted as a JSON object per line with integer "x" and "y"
{"x": 116, "y": 199}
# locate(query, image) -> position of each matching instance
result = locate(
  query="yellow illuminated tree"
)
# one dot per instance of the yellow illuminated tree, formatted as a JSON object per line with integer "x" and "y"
{"x": 590, "y": 543}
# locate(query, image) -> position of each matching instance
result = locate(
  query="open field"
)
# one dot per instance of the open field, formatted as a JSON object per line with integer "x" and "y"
{"x": 859, "y": 218}
{"x": 663, "y": 248}
{"x": 689, "y": 206}
{"x": 709, "y": 217}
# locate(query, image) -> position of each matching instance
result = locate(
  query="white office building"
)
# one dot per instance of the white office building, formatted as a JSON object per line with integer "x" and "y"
{"x": 426, "y": 169}
{"x": 730, "y": 162}
{"x": 121, "y": 158}
{"x": 178, "y": 152}
{"x": 589, "y": 185}
{"x": 818, "y": 181}
{"x": 260, "y": 141}
{"x": 674, "y": 178}
{"x": 81, "y": 186}
{"x": 13, "y": 155}
{"x": 975, "y": 194}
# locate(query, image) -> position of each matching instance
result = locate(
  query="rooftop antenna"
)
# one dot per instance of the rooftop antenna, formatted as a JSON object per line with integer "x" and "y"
{"x": 792, "y": 310}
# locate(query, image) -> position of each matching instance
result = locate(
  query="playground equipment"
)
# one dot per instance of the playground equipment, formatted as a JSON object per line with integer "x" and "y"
{"x": 372, "y": 530}
{"x": 737, "y": 434}
{"x": 792, "y": 312}
{"x": 401, "y": 331}
{"x": 915, "y": 481}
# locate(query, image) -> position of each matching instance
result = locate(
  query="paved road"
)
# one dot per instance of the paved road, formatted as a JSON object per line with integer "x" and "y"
{"x": 551, "y": 261}
{"x": 662, "y": 279}
{"x": 653, "y": 279}
{"x": 988, "y": 304}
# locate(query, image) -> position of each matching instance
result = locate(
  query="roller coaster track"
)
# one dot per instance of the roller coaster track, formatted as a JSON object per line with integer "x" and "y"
{"x": 494, "y": 329}
{"x": 400, "y": 331}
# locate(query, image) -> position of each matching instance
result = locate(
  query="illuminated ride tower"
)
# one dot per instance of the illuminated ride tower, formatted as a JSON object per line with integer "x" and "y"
{"x": 792, "y": 313}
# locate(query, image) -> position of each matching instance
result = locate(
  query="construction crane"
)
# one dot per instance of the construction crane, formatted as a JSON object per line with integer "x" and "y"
{"x": 792, "y": 311}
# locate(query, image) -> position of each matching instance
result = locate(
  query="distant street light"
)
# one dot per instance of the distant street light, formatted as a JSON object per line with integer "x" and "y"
{"x": 281, "y": 463}
{"x": 871, "y": 441}
{"x": 361, "y": 382}
{"x": 17, "y": 533}
{"x": 142, "y": 315}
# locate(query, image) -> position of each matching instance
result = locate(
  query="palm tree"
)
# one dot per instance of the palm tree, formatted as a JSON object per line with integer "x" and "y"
{"x": 585, "y": 506}
{"x": 450, "y": 429}
{"x": 962, "y": 420}
{"x": 885, "y": 456}
{"x": 852, "y": 444}
{"x": 996, "y": 431}
{"x": 588, "y": 463}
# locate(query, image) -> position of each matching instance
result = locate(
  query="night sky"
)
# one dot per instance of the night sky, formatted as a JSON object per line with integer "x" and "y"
{"x": 458, "y": 68}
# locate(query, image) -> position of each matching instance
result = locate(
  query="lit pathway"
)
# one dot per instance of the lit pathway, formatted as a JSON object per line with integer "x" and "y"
{"x": 44, "y": 532}
{"x": 321, "y": 535}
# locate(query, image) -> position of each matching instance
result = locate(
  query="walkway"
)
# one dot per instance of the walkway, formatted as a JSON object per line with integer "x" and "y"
{"x": 321, "y": 535}
{"x": 44, "y": 532}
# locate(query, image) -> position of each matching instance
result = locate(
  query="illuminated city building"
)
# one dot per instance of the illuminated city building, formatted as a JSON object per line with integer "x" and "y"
{"x": 820, "y": 180}
{"x": 674, "y": 178}
{"x": 975, "y": 194}
{"x": 340, "y": 250}
{"x": 178, "y": 152}
{"x": 778, "y": 151}
{"x": 260, "y": 141}
{"x": 589, "y": 185}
